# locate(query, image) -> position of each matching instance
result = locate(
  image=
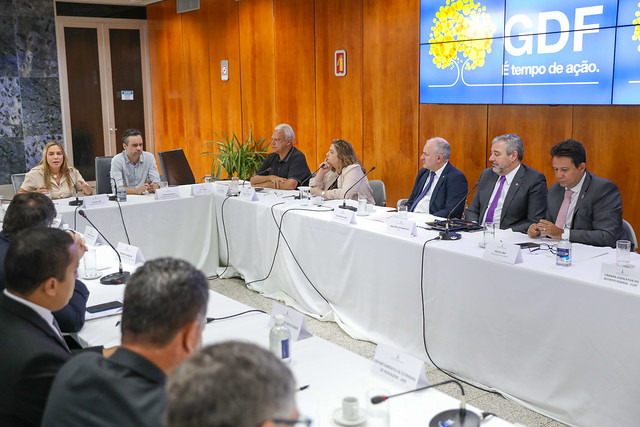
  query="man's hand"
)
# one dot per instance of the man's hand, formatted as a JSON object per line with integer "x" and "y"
{"x": 534, "y": 230}
{"x": 545, "y": 227}
{"x": 276, "y": 181}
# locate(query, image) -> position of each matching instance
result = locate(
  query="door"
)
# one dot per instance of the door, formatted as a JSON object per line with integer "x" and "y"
{"x": 104, "y": 86}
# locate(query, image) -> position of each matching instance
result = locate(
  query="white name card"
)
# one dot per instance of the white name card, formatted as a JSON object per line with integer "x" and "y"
{"x": 131, "y": 255}
{"x": 402, "y": 369}
{"x": 248, "y": 194}
{"x": 625, "y": 278}
{"x": 497, "y": 250}
{"x": 167, "y": 193}
{"x": 57, "y": 221}
{"x": 293, "y": 319}
{"x": 222, "y": 190}
{"x": 92, "y": 237}
{"x": 343, "y": 216}
{"x": 95, "y": 201}
{"x": 401, "y": 227}
{"x": 202, "y": 189}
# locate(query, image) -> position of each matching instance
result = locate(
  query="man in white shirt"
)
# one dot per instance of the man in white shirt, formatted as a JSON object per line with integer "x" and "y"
{"x": 510, "y": 193}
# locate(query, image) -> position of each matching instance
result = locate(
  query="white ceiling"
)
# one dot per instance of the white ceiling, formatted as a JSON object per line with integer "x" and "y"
{"x": 117, "y": 2}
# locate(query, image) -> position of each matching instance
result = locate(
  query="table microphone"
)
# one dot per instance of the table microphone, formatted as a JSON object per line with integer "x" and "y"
{"x": 453, "y": 417}
{"x": 450, "y": 235}
{"x": 113, "y": 278}
{"x": 310, "y": 176}
{"x": 344, "y": 200}
{"x": 76, "y": 202}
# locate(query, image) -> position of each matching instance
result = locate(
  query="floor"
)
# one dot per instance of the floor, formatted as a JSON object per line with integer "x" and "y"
{"x": 330, "y": 331}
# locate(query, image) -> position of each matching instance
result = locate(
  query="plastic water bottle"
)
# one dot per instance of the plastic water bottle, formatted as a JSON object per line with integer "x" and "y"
{"x": 279, "y": 339}
{"x": 563, "y": 251}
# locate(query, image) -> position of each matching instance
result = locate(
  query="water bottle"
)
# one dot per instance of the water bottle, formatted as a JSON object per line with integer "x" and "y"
{"x": 279, "y": 339}
{"x": 121, "y": 193}
{"x": 563, "y": 251}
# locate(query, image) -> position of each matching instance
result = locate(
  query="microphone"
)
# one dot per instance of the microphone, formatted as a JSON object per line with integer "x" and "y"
{"x": 76, "y": 202}
{"x": 450, "y": 235}
{"x": 452, "y": 417}
{"x": 344, "y": 200}
{"x": 310, "y": 176}
{"x": 113, "y": 278}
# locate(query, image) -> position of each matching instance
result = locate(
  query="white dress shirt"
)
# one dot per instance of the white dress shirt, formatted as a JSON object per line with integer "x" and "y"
{"x": 423, "y": 204}
{"x": 42, "y": 312}
{"x": 505, "y": 189}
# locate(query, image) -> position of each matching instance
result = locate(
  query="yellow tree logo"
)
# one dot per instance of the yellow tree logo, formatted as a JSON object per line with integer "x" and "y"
{"x": 636, "y": 22}
{"x": 461, "y": 26}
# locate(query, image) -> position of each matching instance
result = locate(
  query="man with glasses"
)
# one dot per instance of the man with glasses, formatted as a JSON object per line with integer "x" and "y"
{"x": 232, "y": 384}
{"x": 165, "y": 304}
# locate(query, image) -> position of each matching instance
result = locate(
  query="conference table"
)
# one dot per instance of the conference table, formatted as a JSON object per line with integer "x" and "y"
{"x": 555, "y": 339}
{"x": 330, "y": 372}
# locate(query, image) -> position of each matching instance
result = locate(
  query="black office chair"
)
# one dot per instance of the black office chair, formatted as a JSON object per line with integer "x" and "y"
{"x": 103, "y": 175}
{"x": 175, "y": 168}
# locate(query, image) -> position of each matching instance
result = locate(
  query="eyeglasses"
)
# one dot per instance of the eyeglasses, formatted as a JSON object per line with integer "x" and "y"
{"x": 544, "y": 247}
{"x": 303, "y": 422}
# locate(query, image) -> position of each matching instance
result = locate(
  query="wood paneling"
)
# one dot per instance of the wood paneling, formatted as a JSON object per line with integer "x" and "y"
{"x": 468, "y": 141}
{"x": 167, "y": 71}
{"x": 390, "y": 80}
{"x": 295, "y": 71}
{"x": 257, "y": 67}
{"x": 338, "y": 26}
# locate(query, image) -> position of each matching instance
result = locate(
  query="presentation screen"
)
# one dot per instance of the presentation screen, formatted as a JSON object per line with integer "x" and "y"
{"x": 530, "y": 52}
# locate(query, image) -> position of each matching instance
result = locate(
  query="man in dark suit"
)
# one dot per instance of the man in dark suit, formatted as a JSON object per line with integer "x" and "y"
{"x": 41, "y": 266}
{"x": 509, "y": 193}
{"x": 29, "y": 210}
{"x": 165, "y": 304}
{"x": 439, "y": 186}
{"x": 581, "y": 207}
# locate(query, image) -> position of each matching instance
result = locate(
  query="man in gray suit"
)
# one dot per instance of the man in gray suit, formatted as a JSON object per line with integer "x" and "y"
{"x": 581, "y": 207}
{"x": 509, "y": 193}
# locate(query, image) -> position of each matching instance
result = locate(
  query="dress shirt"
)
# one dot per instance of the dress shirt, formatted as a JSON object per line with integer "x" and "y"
{"x": 572, "y": 206}
{"x": 35, "y": 180}
{"x": 126, "y": 174}
{"x": 42, "y": 312}
{"x": 423, "y": 204}
{"x": 505, "y": 189}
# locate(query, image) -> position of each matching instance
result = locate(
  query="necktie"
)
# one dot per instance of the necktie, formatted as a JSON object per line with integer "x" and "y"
{"x": 425, "y": 191}
{"x": 561, "y": 220}
{"x": 494, "y": 203}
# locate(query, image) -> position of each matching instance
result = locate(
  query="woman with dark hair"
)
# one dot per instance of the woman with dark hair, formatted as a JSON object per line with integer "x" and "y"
{"x": 53, "y": 175}
{"x": 338, "y": 174}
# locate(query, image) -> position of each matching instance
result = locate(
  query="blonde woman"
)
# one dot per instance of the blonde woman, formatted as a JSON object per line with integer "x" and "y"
{"x": 53, "y": 175}
{"x": 339, "y": 172}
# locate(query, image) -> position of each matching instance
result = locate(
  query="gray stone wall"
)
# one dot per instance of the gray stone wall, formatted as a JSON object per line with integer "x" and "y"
{"x": 30, "y": 113}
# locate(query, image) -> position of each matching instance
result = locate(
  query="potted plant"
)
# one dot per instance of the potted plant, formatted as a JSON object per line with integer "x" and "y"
{"x": 238, "y": 158}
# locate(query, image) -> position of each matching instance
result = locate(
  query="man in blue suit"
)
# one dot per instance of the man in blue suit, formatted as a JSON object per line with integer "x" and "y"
{"x": 439, "y": 186}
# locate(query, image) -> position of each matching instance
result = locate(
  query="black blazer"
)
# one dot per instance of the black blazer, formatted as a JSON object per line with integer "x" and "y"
{"x": 524, "y": 204}
{"x": 597, "y": 218}
{"x": 31, "y": 353}
{"x": 450, "y": 189}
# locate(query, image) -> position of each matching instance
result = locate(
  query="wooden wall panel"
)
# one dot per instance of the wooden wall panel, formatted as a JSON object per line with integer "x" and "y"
{"x": 611, "y": 137}
{"x": 338, "y": 26}
{"x": 465, "y": 127}
{"x": 197, "y": 99}
{"x": 167, "y": 71}
{"x": 257, "y": 67}
{"x": 539, "y": 126}
{"x": 391, "y": 84}
{"x": 295, "y": 71}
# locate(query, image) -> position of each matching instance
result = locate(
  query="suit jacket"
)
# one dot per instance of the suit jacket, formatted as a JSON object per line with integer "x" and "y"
{"x": 597, "y": 218}
{"x": 123, "y": 390}
{"x": 70, "y": 318}
{"x": 450, "y": 189}
{"x": 31, "y": 353}
{"x": 524, "y": 204}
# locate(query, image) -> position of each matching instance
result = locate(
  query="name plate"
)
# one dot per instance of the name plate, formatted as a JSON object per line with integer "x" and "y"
{"x": 401, "y": 227}
{"x": 293, "y": 319}
{"x": 202, "y": 189}
{"x": 497, "y": 250}
{"x": 95, "y": 201}
{"x": 343, "y": 216}
{"x": 222, "y": 190}
{"x": 402, "y": 369}
{"x": 130, "y": 255}
{"x": 167, "y": 193}
{"x": 92, "y": 237}
{"x": 248, "y": 194}
{"x": 625, "y": 278}
{"x": 57, "y": 221}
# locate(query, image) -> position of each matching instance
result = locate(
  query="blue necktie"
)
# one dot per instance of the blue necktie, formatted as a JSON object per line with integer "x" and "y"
{"x": 425, "y": 191}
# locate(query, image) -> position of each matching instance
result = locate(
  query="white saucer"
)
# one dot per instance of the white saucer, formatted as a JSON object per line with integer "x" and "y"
{"x": 337, "y": 417}
{"x": 92, "y": 276}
